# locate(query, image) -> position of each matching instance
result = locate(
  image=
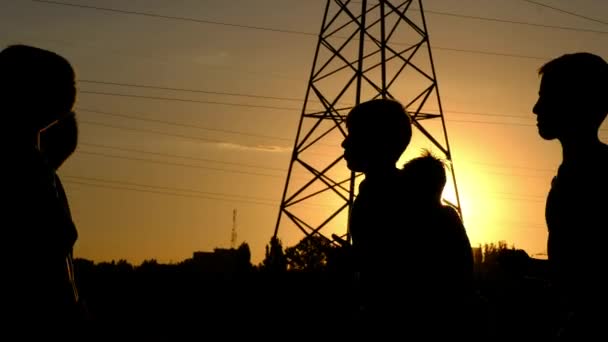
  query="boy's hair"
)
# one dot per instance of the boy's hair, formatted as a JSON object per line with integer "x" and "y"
{"x": 384, "y": 120}
{"x": 584, "y": 76}
{"x": 427, "y": 173}
{"x": 34, "y": 81}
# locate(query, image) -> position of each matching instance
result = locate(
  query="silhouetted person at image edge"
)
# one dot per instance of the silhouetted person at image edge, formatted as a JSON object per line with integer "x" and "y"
{"x": 37, "y": 88}
{"x": 446, "y": 269}
{"x": 572, "y": 104}
{"x": 379, "y": 131}
{"x": 57, "y": 144}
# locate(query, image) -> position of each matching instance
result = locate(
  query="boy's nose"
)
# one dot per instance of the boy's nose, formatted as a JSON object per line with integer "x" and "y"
{"x": 537, "y": 107}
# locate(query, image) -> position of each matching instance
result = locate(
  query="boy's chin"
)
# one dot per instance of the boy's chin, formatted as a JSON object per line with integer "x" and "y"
{"x": 354, "y": 167}
{"x": 546, "y": 134}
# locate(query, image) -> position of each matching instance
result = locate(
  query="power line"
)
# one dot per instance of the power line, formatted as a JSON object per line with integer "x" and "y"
{"x": 163, "y": 162}
{"x": 509, "y": 174}
{"x": 266, "y": 107}
{"x": 161, "y": 190}
{"x": 317, "y": 111}
{"x": 118, "y": 187}
{"x": 245, "y": 165}
{"x": 178, "y": 164}
{"x": 237, "y": 94}
{"x": 505, "y": 21}
{"x": 160, "y": 16}
{"x": 144, "y": 86}
{"x": 490, "y": 123}
{"x": 173, "y": 123}
{"x": 206, "y": 193}
{"x": 567, "y": 12}
{"x": 147, "y": 86}
{"x": 125, "y": 149}
{"x": 502, "y": 123}
{"x": 240, "y": 105}
{"x": 185, "y": 100}
{"x": 512, "y": 167}
{"x": 201, "y": 21}
{"x": 246, "y": 105}
{"x": 132, "y": 186}
{"x": 189, "y": 137}
{"x": 182, "y": 136}
{"x": 250, "y": 134}
{"x": 248, "y": 173}
{"x": 488, "y": 114}
{"x": 490, "y": 53}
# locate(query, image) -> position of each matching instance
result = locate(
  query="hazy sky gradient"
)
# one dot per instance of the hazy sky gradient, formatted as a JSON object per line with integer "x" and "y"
{"x": 166, "y": 185}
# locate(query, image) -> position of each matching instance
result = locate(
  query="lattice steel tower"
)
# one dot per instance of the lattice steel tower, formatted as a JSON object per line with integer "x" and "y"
{"x": 366, "y": 50}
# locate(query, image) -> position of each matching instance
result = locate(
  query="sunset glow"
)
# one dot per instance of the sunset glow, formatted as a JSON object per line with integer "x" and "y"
{"x": 182, "y": 122}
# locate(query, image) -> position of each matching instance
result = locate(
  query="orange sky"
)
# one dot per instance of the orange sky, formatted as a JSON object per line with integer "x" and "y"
{"x": 158, "y": 175}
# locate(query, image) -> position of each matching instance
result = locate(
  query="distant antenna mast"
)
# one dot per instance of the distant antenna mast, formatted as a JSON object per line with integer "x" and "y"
{"x": 233, "y": 235}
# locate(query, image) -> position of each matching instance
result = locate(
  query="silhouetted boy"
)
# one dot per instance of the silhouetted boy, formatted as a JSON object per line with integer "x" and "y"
{"x": 378, "y": 133}
{"x": 445, "y": 273}
{"x": 37, "y": 88}
{"x": 452, "y": 256}
{"x": 572, "y": 104}
{"x": 57, "y": 143}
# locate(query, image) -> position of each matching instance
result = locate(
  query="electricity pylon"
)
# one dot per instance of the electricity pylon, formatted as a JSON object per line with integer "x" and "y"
{"x": 366, "y": 50}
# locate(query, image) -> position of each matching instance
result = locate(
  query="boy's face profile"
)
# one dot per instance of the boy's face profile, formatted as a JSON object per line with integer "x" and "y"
{"x": 357, "y": 149}
{"x": 552, "y": 109}
{"x": 366, "y": 145}
{"x": 59, "y": 141}
{"x": 572, "y": 97}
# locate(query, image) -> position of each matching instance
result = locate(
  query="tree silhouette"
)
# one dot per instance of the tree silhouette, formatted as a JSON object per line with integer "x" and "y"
{"x": 123, "y": 266}
{"x": 149, "y": 265}
{"x": 310, "y": 254}
{"x": 274, "y": 260}
{"x": 243, "y": 257}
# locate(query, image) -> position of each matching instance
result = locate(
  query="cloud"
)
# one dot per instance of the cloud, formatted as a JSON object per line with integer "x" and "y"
{"x": 212, "y": 58}
{"x": 253, "y": 148}
{"x": 191, "y": 147}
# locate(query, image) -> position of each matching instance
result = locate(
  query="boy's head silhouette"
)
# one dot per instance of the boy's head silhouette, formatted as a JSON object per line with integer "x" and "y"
{"x": 37, "y": 87}
{"x": 426, "y": 177}
{"x": 378, "y": 133}
{"x": 573, "y": 97}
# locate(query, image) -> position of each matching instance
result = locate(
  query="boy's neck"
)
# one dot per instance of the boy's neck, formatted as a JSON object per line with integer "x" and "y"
{"x": 380, "y": 173}
{"x": 580, "y": 149}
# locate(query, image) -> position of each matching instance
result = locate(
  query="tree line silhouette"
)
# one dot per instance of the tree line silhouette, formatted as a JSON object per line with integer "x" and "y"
{"x": 306, "y": 282}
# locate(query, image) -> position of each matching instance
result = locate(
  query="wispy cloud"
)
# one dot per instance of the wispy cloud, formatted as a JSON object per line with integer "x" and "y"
{"x": 212, "y": 58}
{"x": 253, "y": 148}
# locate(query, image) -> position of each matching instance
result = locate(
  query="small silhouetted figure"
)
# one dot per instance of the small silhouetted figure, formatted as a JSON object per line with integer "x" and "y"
{"x": 37, "y": 89}
{"x": 378, "y": 133}
{"x": 572, "y": 104}
{"x": 446, "y": 271}
{"x": 426, "y": 180}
